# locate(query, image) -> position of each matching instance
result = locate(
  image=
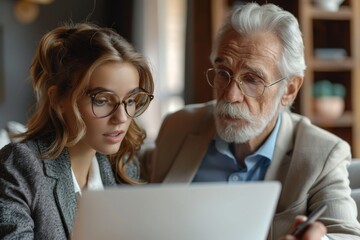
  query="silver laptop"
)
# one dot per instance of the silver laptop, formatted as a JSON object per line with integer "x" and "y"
{"x": 203, "y": 211}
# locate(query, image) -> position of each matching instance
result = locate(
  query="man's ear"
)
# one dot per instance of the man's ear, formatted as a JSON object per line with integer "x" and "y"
{"x": 291, "y": 91}
{"x": 54, "y": 101}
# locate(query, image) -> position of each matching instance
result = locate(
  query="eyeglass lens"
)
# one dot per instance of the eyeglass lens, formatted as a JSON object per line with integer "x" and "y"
{"x": 249, "y": 84}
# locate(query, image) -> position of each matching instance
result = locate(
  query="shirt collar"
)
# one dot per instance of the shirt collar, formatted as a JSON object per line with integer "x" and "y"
{"x": 94, "y": 179}
{"x": 267, "y": 149}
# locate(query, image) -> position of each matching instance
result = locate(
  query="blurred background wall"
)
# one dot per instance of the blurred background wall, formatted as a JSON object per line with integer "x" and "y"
{"x": 174, "y": 35}
{"x": 18, "y": 42}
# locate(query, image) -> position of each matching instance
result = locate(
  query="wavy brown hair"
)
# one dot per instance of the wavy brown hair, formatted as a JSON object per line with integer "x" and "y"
{"x": 66, "y": 58}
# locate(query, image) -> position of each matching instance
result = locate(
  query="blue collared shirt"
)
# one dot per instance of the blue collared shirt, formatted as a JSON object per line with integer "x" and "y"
{"x": 220, "y": 165}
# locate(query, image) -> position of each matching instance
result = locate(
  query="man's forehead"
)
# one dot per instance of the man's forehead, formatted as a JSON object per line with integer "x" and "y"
{"x": 255, "y": 43}
{"x": 234, "y": 48}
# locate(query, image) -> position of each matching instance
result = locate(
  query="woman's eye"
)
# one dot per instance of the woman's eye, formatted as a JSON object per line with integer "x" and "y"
{"x": 100, "y": 101}
{"x": 130, "y": 102}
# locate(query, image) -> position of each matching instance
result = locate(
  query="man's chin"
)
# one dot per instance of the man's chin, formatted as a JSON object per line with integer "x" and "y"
{"x": 231, "y": 133}
{"x": 233, "y": 137}
{"x": 237, "y": 132}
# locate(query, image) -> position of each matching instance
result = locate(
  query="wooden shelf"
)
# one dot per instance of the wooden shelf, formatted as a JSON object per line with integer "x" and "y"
{"x": 346, "y": 120}
{"x": 344, "y": 13}
{"x": 348, "y": 67}
{"x": 333, "y": 65}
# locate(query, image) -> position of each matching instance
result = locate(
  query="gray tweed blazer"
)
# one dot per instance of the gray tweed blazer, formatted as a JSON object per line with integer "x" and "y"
{"x": 37, "y": 198}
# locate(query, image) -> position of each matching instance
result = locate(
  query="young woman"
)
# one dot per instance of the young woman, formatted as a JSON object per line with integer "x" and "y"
{"x": 90, "y": 84}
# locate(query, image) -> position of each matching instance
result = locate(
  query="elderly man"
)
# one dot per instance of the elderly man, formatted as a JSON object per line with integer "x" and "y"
{"x": 249, "y": 134}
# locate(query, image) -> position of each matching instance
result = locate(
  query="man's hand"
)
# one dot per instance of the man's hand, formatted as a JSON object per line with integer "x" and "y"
{"x": 315, "y": 231}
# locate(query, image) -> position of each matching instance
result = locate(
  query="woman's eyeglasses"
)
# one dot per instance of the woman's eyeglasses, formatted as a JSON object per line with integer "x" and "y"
{"x": 105, "y": 103}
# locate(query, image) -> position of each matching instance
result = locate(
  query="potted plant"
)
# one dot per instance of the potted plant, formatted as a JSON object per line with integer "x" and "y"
{"x": 329, "y": 101}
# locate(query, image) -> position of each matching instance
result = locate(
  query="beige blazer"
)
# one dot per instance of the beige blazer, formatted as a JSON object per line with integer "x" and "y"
{"x": 310, "y": 163}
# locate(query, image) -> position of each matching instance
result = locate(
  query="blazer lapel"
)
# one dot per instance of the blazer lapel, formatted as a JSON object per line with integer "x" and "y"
{"x": 191, "y": 154}
{"x": 106, "y": 172}
{"x": 284, "y": 145}
{"x": 60, "y": 171}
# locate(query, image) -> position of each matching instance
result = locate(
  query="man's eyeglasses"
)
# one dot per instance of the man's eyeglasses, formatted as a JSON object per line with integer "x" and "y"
{"x": 105, "y": 103}
{"x": 249, "y": 84}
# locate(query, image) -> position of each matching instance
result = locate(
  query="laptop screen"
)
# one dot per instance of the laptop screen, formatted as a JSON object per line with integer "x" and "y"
{"x": 215, "y": 211}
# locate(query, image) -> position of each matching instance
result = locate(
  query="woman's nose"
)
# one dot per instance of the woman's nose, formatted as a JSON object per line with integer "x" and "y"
{"x": 120, "y": 114}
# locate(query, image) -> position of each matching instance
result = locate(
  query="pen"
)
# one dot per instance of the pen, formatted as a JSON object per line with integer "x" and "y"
{"x": 312, "y": 217}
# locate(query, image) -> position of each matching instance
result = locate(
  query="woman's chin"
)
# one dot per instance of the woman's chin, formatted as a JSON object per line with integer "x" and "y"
{"x": 109, "y": 150}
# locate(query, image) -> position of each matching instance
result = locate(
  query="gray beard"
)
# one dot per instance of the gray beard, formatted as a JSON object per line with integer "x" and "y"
{"x": 252, "y": 127}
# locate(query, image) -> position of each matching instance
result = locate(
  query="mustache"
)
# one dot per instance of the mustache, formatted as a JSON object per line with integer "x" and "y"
{"x": 231, "y": 110}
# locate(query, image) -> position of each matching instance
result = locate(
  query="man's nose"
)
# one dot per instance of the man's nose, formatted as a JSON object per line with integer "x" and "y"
{"x": 232, "y": 93}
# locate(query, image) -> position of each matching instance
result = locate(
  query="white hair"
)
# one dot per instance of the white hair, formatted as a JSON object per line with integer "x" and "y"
{"x": 251, "y": 18}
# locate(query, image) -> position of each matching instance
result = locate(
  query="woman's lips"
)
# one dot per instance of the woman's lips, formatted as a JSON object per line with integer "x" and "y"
{"x": 115, "y": 136}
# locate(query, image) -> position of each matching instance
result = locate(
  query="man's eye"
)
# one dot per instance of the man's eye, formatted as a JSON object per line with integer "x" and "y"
{"x": 252, "y": 79}
{"x": 223, "y": 74}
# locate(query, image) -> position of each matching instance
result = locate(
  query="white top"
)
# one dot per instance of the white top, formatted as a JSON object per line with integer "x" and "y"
{"x": 94, "y": 179}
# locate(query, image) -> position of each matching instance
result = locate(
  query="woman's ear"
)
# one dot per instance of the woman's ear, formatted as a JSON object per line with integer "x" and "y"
{"x": 292, "y": 89}
{"x": 54, "y": 101}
